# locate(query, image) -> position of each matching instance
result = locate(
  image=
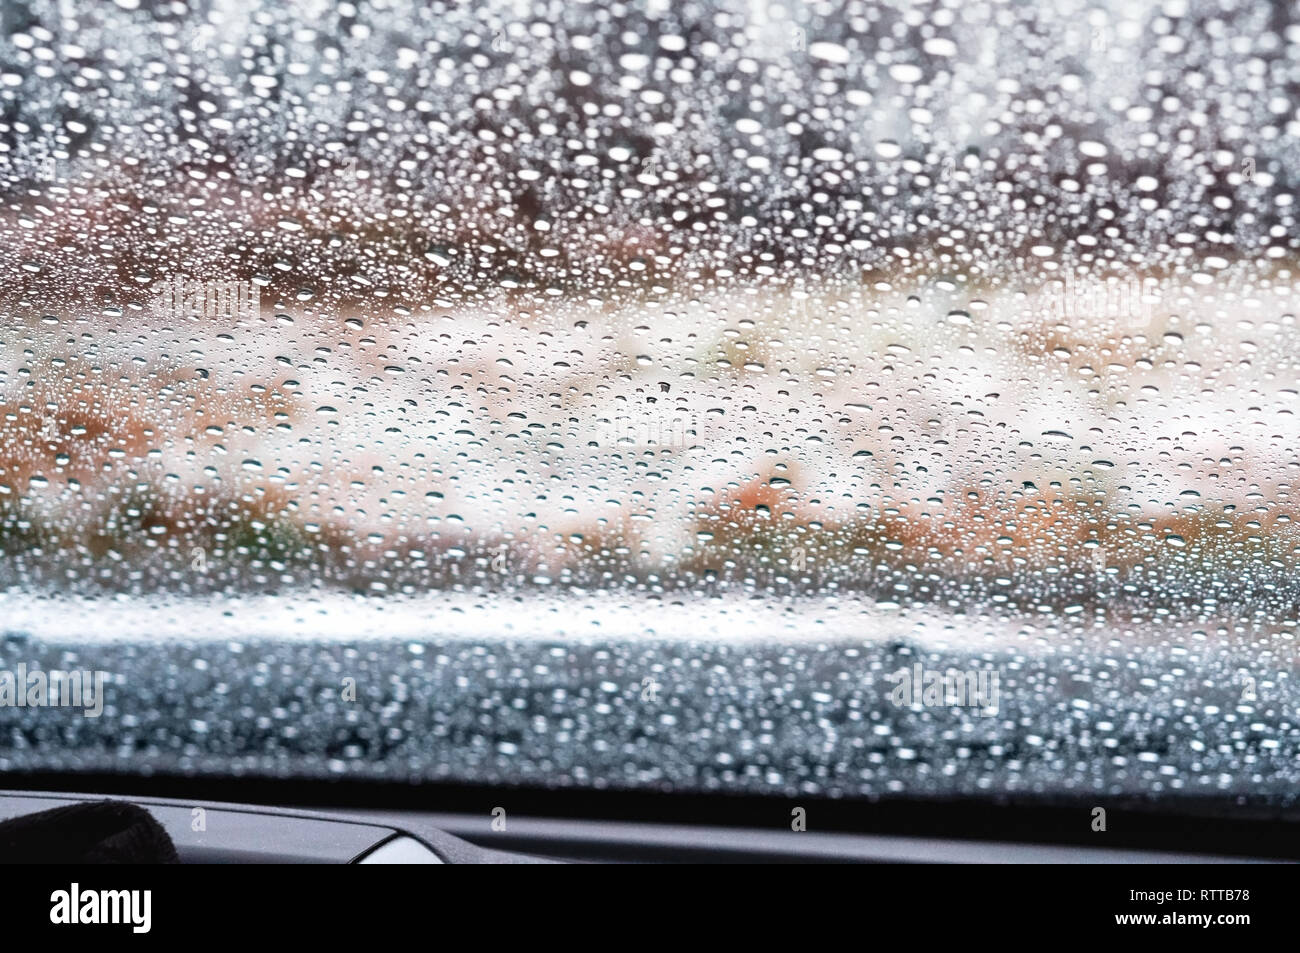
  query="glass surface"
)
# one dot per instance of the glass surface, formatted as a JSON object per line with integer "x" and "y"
{"x": 831, "y": 398}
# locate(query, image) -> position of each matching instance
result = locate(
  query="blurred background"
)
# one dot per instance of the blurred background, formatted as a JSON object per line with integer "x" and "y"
{"x": 975, "y": 308}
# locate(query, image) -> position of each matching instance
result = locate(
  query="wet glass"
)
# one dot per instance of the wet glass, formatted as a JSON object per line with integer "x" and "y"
{"x": 839, "y": 398}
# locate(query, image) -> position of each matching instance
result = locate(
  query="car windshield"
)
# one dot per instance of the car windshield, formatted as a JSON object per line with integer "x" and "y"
{"x": 844, "y": 398}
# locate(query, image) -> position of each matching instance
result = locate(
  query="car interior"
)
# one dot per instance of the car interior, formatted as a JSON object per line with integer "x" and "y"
{"x": 649, "y": 432}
